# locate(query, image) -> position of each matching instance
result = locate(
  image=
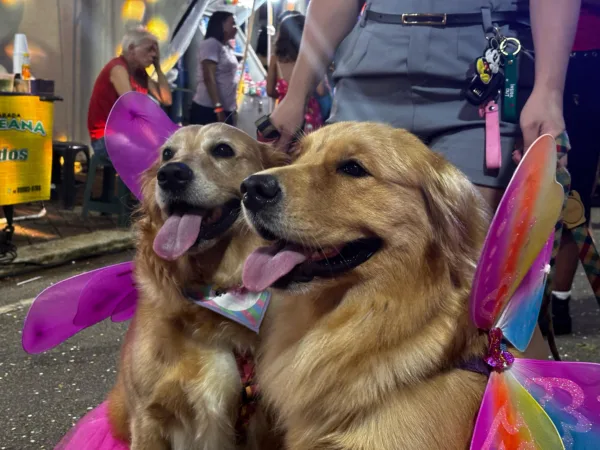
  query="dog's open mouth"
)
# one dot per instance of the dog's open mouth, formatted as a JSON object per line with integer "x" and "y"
{"x": 188, "y": 225}
{"x": 283, "y": 263}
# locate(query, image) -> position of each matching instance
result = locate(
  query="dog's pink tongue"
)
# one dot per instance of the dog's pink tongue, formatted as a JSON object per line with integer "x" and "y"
{"x": 266, "y": 265}
{"x": 177, "y": 235}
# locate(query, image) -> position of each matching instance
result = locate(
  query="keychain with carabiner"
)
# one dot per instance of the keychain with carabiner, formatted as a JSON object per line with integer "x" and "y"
{"x": 510, "y": 48}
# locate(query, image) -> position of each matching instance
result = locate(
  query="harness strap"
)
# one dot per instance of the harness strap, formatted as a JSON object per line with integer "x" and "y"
{"x": 476, "y": 364}
{"x": 249, "y": 395}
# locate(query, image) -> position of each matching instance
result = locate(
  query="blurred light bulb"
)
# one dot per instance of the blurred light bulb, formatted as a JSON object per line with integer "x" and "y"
{"x": 133, "y": 10}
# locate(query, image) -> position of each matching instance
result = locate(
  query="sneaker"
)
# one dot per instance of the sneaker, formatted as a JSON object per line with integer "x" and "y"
{"x": 561, "y": 318}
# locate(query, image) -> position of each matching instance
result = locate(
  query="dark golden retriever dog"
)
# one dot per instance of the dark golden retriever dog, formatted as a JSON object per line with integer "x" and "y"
{"x": 376, "y": 243}
{"x": 178, "y": 385}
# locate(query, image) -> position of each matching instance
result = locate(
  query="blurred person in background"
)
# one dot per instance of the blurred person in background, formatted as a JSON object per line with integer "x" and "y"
{"x": 216, "y": 92}
{"x": 262, "y": 47}
{"x": 287, "y": 46}
{"x": 123, "y": 74}
{"x": 412, "y": 73}
{"x": 582, "y": 117}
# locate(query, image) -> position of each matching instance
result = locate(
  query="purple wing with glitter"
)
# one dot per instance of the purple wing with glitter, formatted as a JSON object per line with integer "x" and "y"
{"x": 569, "y": 392}
{"x": 135, "y": 129}
{"x": 67, "y": 307}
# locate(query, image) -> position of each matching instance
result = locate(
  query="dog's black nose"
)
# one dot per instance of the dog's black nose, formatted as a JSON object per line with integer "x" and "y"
{"x": 259, "y": 191}
{"x": 174, "y": 176}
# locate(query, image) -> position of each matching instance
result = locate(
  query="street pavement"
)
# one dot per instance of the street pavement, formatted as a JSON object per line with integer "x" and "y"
{"x": 42, "y": 396}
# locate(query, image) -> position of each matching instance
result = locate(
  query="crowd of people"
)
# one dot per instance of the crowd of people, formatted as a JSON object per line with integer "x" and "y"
{"x": 395, "y": 64}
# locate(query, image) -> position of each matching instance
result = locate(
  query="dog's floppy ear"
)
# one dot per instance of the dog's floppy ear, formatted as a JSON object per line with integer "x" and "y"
{"x": 148, "y": 205}
{"x": 272, "y": 157}
{"x": 458, "y": 213}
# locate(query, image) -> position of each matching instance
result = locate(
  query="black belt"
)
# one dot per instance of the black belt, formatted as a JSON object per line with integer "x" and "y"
{"x": 445, "y": 20}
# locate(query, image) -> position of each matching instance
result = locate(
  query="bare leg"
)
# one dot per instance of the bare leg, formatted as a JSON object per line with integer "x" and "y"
{"x": 566, "y": 262}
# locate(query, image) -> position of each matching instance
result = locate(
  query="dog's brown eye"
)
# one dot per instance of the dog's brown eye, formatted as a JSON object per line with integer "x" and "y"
{"x": 167, "y": 154}
{"x": 353, "y": 169}
{"x": 222, "y": 151}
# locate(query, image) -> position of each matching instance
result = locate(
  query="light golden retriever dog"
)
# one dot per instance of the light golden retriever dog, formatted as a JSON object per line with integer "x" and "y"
{"x": 377, "y": 239}
{"x": 178, "y": 385}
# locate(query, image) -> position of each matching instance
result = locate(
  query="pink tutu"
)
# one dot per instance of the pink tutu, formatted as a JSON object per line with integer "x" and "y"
{"x": 92, "y": 432}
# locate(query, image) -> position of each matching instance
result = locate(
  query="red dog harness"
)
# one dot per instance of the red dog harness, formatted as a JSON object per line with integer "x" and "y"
{"x": 250, "y": 393}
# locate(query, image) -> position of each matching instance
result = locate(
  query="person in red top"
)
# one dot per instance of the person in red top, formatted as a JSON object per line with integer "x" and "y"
{"x": 126, "y": 73}
{"x": 582, "y": 118}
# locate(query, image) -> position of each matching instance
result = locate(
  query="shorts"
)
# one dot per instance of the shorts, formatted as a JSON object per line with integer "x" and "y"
{"x": 415, "y": 77}
{"x": 203, "y": 115}
{"x": 99, "y": 147}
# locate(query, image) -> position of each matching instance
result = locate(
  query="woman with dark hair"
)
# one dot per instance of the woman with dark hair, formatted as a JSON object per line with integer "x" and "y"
{"x": 287, "y": 46}
{"x": 215, "y": 99}
{"x": 262, "y": 46}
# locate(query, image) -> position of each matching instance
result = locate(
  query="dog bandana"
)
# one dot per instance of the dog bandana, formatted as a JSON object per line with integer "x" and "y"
{"x": 240, "y": 305}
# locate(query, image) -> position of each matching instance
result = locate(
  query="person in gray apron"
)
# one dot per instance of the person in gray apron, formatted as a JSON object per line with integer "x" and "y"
{"x": 408, "y": 62}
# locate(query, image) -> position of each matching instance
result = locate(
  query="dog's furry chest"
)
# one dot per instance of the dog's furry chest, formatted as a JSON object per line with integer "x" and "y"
{"x": 192, "y": 382}
{"x": 211, "y": 394}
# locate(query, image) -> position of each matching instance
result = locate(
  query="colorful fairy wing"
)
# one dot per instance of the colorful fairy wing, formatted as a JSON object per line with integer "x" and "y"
{"x": 51, "y": 319}
{"x": 136, "y": 127}
{"x": 523, "y": 222}
{"x": 510, "y": 418}
{"x": 519, "y": 318}
{"x": 103, "y": 294}
{"x": 569, "y": 392}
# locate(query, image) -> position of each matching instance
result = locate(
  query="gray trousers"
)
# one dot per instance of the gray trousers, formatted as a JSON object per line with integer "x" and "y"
{"x": 413, "y": 77}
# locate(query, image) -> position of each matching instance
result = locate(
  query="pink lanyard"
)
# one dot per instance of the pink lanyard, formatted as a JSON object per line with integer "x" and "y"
{"x": 493, "y": 152}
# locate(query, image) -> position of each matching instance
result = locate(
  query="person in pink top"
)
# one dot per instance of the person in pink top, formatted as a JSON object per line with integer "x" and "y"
{"x": 582, "y": 118}
{"x": 287, "y": 46}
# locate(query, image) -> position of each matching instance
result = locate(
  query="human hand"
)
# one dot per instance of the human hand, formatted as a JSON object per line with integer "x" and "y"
{"x": 542, "y": 114}
{"x": 221, "y": 116}
{"x": 287, "y": 117}
{"x": 156, "y": 59}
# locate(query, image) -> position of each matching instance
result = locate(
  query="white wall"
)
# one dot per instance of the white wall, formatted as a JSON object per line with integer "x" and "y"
{"x": 70, "y": 41}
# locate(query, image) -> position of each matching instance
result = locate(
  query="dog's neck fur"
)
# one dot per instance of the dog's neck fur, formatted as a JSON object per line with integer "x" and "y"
{"x": 357, "y": 325}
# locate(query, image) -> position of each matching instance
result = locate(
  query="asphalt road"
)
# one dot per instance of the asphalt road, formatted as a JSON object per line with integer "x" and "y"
{"x": 41, "y": 396}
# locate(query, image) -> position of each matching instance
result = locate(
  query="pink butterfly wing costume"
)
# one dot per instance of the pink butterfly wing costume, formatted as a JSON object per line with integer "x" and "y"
{"x": 135, "y": 129}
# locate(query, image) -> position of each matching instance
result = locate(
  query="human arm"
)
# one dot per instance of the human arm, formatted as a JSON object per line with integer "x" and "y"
{"x": 322, "y": 88}
{"x": 119, "y": 77}
{"x": 209, "y": 72}
{"x": 160, "y": 89}
{"x": 553, "y": 27}
{"x": 327, "y": 23}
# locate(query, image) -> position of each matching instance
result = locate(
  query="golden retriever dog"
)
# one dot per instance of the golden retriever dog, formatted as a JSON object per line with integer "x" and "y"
{"x": 178, "y": 385}
{"x": 376, "y": 244}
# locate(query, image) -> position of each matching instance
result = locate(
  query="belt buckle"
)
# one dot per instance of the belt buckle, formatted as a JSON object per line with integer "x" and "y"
{"x": 424, "y": 19}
